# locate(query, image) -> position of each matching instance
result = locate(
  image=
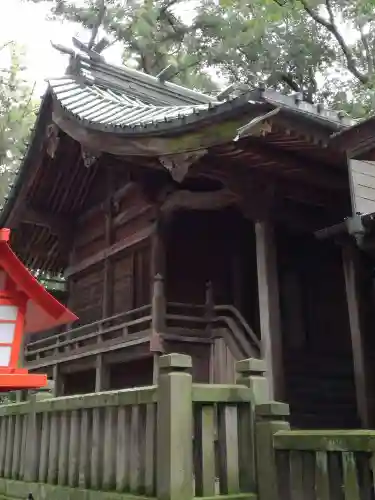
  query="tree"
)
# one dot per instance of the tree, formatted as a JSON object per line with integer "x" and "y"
{"x": 151, "y": 34}
{"x": 323, "y": 49}
{"x": 260, "y": 42}
{"x": 311, "y": 40}
{"x": 16, "y": 114}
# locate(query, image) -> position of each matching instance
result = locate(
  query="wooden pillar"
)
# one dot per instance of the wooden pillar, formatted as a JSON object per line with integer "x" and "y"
{"x": 237, "y": 277}
{"x": 158, "y": 301}
{"x": 351, "y": 262}
{"x": 102, "y": 381}
{"x": 58, "y": 381}
{"x": 107, "y": 277}
{"x": 269, "y": 307}
{"x": 209, "y": 316}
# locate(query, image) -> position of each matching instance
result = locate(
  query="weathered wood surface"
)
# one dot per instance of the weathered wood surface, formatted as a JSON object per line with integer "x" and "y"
{"x": 159, "y": 327}
{"x": 139, "y": 441}
{"x": 311, "y": 465}
{"x": 121, "y": 326}
{"x": 362, "y": 177}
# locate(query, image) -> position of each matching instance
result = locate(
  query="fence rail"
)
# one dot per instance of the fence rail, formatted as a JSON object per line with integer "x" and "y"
{"x": 173, "y": 441}
{"x": 326, "y": 464}
{"x": 311, "y": 464}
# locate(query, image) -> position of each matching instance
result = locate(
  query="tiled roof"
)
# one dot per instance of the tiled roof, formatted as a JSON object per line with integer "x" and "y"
{"x": 126, "y": 101}
{"x": 104, "y": 106}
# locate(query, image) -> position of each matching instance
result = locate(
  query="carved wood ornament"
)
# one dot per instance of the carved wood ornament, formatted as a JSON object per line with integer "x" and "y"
{"x": 178, "y": 165}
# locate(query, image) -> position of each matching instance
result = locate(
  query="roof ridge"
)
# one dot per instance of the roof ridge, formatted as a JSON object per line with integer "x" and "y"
{"x": 122, "y": 78}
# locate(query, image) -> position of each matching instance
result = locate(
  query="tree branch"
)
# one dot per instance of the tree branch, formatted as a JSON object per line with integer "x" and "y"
{"x": 368, "y": 52}
{"x": 332, "y": 28}
{"x": 97, "y": 24}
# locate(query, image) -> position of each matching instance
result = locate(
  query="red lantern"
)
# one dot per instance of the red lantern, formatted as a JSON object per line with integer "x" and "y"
{"x": 25, "y": 307}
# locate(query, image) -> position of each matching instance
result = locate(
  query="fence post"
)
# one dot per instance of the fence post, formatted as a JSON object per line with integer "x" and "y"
{"x": 250, "y": 372}
{"x": 32, "y": 448}
{"x": 270, "y": 418}
{"x": 175, "y": 428}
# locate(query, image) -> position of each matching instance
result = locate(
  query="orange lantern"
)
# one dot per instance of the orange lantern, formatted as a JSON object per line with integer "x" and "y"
{"x": 25, "y": 307}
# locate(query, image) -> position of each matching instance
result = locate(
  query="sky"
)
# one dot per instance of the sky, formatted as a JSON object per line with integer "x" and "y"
{"x": 26, "y": 23}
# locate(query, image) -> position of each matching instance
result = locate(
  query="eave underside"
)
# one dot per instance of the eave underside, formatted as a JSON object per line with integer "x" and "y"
{"x": 285, "y": 174}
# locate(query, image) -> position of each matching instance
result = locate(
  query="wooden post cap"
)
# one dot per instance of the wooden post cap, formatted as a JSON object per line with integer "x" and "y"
{"x": 251, "y": 366}
{"x": 175, "y": 361}
{"x": 273, "y": 409}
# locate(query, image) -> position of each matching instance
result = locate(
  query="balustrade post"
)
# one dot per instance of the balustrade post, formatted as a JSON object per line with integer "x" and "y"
{"x": 58, "y": 381}
{"x": 102, "y": 375}
{"x": 251, "y": 373}
{"x": 209, "y": 307}
{"x": 270, "y": 418}
{"x": 158, "y": 305}
{"x": 158, "y": 321}
{"x": 174, "y": 428}
{"x": 209, "y": 316}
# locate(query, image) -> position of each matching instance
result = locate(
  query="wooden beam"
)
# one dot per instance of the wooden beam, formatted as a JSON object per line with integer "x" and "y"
{"x": 351, "y": 263}
{"x": 128, "y": 242}
{"x": 269, "y": 308}
{"x": 56, "y": 224}
{"x": 190, "y": 200}
{"x": 123, "y": 192}
{"x": 296, "y": 167}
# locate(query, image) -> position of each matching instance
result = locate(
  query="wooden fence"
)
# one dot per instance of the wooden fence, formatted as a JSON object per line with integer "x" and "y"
{"x": 173, "y": 441}
{"x": 312, "y": 464}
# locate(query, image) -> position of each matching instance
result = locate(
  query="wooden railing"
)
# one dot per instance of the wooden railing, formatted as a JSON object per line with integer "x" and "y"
{"x": 121, "y": 327}
{"x": 187, "y": 318}
{"x": 311, "y": 464}
{"x": 136, "y": 441}
{"x": 326, "y": 464}
{"x": 72, "y": 441}
{"x": 246, "y": 341}
{"x": 241, "y": 337}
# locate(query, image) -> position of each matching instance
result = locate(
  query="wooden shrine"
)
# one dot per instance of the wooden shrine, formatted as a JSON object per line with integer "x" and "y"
{"x": 188, "y": 223}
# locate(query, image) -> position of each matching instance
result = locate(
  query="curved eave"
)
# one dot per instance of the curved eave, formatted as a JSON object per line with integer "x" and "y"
{"x": 201, "y": 130}
{"x": 183, "y": 122}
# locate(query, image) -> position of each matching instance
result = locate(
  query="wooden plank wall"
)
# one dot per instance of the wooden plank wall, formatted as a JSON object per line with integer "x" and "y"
{"x": 362, "y": 186}
{"x": 316, "y": 337}
{"x": 104, "y": 285}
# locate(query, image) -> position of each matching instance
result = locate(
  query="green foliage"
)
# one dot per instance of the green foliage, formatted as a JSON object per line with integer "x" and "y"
{"x": 8, "y": 397}
{"x": 150, "y": 32}
{"x": 16, "y": 113}
{"x": 321, "y": 48}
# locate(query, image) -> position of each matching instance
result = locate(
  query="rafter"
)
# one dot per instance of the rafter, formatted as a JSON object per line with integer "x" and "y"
{"x": 56, "y": 224}
{"x": 290, "y": 165}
